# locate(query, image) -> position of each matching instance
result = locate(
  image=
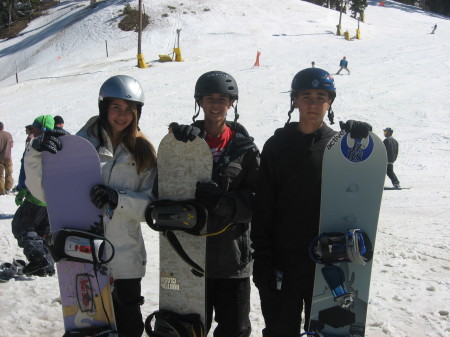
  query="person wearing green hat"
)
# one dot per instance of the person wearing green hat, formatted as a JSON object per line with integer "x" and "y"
{"x": 30, "y": 224}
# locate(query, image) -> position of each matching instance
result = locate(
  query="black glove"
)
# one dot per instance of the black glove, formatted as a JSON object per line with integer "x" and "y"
{"x": 48, "y": 141}
{"x": 208, "y": 194}
{"x": 265, "y": 276}
{"x": 184, "y": 133}
{"x": 101, "y": 194}
{"x": 357, "y": 129}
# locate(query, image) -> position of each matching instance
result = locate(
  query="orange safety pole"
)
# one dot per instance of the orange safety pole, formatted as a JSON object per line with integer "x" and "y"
{"x": 257, "y": 59}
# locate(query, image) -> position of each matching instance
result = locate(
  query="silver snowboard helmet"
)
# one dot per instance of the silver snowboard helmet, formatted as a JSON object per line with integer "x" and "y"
{"x": 122, "y": 87}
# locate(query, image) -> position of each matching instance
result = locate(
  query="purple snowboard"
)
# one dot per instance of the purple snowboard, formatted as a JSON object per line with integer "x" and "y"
{"x": 67, "y": 178}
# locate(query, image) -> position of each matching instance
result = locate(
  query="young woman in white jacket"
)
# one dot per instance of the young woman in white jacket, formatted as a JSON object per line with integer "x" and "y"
{"x": 128, "y": 163}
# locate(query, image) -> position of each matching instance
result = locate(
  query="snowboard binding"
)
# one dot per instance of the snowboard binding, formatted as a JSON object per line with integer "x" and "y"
{"x": 186, "y": 215}
{"x": 168, "y": 324}
{"x": 351, "y": 246}
{"x": 79, "y": 246}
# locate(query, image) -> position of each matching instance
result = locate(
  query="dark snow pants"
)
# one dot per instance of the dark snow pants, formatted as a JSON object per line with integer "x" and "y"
{"x": 230, "y": 300}
{"x": 282, "y": 308}
{"x": 390, "y": 173}
{"x": 127, "y": 302}
{"x": 30, "y": 226}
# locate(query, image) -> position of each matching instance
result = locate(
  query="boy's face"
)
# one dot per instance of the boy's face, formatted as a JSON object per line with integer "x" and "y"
{"x": 313, "y": 104}
{"x": 215, "y": 106}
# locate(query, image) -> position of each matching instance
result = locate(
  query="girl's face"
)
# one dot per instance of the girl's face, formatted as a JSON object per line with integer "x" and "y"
{"x": 120, "y": 114}
{"x": 215, "y": 106}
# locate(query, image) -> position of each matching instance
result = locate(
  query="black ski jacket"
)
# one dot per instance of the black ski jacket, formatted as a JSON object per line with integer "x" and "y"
{"x": 287, "y": 205}
{"x": 229, "y": 254}
{"x": 391, "y": 148}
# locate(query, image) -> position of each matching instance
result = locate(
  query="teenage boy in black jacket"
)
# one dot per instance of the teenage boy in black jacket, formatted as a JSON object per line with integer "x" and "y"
{"x": 229, "y": 199}
{"x": 287, "y": 203}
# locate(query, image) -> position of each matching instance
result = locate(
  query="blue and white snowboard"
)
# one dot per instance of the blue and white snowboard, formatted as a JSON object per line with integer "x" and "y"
{"x": 353, "y": 176}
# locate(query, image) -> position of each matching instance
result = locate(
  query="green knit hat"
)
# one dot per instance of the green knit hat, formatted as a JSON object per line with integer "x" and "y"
{"x": 44, "y": 123}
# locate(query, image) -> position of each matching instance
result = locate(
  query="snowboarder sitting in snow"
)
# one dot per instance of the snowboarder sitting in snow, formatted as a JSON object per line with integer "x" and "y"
{"x": 228, "y": 198}
{"x": 128, "y": 162}
{"x": 30, "y": 224}
{"x": 392, "y": 152}
{"x": 287, "y": 203}
{"x": 343, "y": 65}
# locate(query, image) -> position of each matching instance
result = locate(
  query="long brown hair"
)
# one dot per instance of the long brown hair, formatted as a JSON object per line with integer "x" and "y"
{"x": 141, "y": 148}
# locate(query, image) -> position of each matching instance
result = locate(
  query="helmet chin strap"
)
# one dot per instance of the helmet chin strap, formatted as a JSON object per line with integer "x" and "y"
{"x": 290, "y": 112}
{"x": 331, "y": 115}
{"x": 197, "y": 111}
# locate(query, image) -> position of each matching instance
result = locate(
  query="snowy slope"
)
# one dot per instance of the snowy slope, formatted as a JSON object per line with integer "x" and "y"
{"x": 400, "y": 78}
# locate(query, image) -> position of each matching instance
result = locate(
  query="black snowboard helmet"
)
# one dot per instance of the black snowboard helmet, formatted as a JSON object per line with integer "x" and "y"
{"x": 216, "y": 82}
{"x": 388, "y": 131}
{"x": 313, "y": 78}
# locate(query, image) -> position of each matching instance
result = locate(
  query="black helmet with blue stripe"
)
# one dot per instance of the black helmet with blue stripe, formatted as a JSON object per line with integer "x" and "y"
{"x": 313, "y": 78}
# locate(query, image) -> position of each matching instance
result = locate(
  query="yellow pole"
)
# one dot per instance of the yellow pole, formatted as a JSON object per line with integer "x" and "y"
{"x": 141, "y": 61}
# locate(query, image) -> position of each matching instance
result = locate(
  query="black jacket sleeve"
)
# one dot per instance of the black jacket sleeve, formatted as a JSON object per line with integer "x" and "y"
{"x": 263, "y": 214}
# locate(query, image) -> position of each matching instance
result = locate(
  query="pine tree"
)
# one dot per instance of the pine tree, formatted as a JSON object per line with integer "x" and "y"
{"x": 358, "y": 7}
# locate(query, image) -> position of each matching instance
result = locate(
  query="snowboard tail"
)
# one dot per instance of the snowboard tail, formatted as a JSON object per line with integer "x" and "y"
{"x": 353, "y": 176}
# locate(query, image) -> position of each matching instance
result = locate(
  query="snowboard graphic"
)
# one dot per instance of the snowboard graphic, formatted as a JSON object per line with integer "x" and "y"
{"x": 180, "y": 167}
{"x": 67, "y": 178}
{"x": 353, "y": 176}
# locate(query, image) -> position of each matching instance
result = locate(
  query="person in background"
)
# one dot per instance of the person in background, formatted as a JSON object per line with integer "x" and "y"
{"x": 391, "y": 145}
{"x": 59, "y": 124}
{"x": 128, "y": 162}
{"x": 30, "y": 225}
{"x": 6, "y": 167}
{"x": 228, "y": 198}
{"x": 343, "y": 65}
{"x": 30, "y": 135}
{"x": 287, "y": 203}
{"x": 434, "y": 29}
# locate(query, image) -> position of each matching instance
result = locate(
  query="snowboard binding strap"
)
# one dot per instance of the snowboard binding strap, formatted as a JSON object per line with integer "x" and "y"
{"x": 79, "y": 246}
{"x": 168, "y": 323}
{"x": 92, "y": 332}
{"x": 176, "y": 245}
{"x": 335, "y": 278}
{"x": 334, "y": 247}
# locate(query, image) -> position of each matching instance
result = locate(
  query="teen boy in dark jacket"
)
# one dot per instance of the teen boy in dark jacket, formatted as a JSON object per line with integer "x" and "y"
{"x": 287, "y": 204}
{"x": 229, "y": 199}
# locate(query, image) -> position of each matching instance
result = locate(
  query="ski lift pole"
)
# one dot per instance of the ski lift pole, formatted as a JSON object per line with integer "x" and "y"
{"x": 177, "y": 49}
{"x": 140, "y": 56}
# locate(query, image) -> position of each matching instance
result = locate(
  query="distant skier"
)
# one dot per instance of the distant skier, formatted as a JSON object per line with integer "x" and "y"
{"x": 229, "y": 199}
{"x": 344, "y": 65}
{"x": 392, "y": 152}
{"x": 434, "y": 29}
{"x": 287, "y": 203}
{"x": 313, "y": 64}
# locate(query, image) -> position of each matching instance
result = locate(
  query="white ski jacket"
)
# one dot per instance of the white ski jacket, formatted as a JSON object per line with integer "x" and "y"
{"x": 134, "y": 191}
